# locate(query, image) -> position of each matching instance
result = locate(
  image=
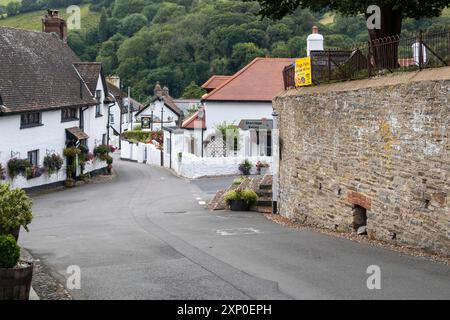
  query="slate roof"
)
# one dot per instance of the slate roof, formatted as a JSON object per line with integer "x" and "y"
{"x": 119, "y": 94}
{"x": 261, "y": 80}
{"x": 37, "y": 73}
{"x": 90, "y": 71}
{"x": 168, "y": 102}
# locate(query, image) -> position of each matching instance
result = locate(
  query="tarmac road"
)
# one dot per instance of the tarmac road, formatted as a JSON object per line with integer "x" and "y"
{"x": 147, "y": 235}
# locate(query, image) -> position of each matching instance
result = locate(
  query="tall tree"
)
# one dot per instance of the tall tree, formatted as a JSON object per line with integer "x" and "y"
{"x": 103, "y": 26}
{"x": 193, "y": 91}
{"x": 392, "y": 14}
{"x": 392, "y": 11}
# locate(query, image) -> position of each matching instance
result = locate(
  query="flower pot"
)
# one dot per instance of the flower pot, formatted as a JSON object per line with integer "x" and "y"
{"x": 69, "y": 183}
{"x": 15, "y": 283}
{"x": 14, "y": 232}
{"x": 239, "y": 205}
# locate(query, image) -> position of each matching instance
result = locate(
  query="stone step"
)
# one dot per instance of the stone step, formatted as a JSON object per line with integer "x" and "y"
{"x": 264, "y": 193}
{"x": 264, "y": 203}
{"x": 264, "y": 209}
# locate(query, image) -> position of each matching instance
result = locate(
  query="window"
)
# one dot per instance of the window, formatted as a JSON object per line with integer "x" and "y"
{"x": 98, "y": 110}
{"x": 104, "y": 139}
{"x": 31, "y": 119}
{"x": 69, "y": 114}
{"x": 98, "y": 94}
{"x": 111, "y": 118}
{"x": 33, "y": 157}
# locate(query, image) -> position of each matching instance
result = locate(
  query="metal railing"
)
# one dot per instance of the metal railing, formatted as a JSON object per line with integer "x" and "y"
{"x": 386, "y": 55}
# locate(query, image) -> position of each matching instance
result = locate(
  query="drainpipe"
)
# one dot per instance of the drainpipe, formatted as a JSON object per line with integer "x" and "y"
{"x": 275, "y": 162}
{"x": 82, "y": 110}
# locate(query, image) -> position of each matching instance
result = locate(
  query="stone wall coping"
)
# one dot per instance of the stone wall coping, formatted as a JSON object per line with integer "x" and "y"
{"x": 433, "y": 74}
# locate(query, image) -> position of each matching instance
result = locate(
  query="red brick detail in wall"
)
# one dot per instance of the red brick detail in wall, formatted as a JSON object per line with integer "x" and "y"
{"x": 359, "y": 199}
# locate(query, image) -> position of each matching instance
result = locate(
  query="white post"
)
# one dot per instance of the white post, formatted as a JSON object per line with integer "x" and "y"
{"x": 130, "y": 125}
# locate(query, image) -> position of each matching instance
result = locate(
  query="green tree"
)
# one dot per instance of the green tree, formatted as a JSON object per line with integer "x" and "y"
{"x": 13, "y": 9}
{"x": 132, "y": 24}
{"x": 392, "y": 11}
{"x": 193, "y": 91}
{"x": 103, "y": 26}
{"x": 122, "y": 8}
{"x": 392, "y": 14}
{"x": 243, "y": 53}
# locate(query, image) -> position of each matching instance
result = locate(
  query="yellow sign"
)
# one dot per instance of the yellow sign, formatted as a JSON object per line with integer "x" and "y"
{"x": 303, "y": 75}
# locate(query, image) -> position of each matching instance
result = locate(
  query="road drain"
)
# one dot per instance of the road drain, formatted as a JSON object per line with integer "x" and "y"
{"x": 237, "y": 231}
{"x": 174, "y": 212}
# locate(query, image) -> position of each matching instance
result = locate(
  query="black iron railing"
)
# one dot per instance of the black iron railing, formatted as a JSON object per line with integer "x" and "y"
{"x": 398, "y": 53}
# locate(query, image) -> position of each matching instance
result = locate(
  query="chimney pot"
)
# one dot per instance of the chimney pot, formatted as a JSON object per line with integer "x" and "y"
{"x": 53, "y": 23}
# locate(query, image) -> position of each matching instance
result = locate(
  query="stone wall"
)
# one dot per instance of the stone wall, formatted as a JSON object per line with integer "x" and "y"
{"x": 381, "y": 145}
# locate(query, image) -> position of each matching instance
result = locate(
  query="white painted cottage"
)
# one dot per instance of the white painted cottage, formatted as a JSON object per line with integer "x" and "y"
{"x": 161, "y": 106}
{"x": 48, "y": 99}
{"x": 245, "y": 100}
{"x": 123, "y": 114}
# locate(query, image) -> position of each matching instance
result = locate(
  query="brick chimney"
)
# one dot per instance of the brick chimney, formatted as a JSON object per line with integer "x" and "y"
{"x": 53, "y": 23}
{"x": 158, "y": 91}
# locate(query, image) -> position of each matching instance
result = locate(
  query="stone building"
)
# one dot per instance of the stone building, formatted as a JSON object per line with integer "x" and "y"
{"x": 372, "y": 153}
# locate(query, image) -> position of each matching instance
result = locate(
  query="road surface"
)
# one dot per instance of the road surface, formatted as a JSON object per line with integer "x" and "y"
{"x": 147, "y": 235}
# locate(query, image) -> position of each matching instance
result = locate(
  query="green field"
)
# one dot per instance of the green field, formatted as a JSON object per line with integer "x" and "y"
{"x": 32, "y": 20}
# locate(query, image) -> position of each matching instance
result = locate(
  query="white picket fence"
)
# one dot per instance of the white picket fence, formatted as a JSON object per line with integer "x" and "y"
{"x": 189, "y": 165}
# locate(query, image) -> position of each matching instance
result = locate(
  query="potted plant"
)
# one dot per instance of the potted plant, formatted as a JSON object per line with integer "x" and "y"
{"x": 71, "y": 152}
{"x": 53, "y": 163}
{"x": 15, "y": 275}
{"x": 109, "y": 161}
{"x": 15, "y": 210}
{"x": 70, "y": 181}
{"x": 245, "y": 167}
{"x": 18, "y": 167}
{"x": 34, "y": 172}
{"x": 262, "y": 167}
{"x": 101, "y": 152}
{"x": 241, "y": 200}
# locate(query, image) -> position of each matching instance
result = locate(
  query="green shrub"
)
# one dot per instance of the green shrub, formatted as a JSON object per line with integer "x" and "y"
{"x": 15, "y": 208}
{"x": 101, "y": 150}
{"x": 238, "y": 181}
{"x": 9, "y": 251}
{"x": 18, "y": 166}
{"x": 249, "y": 196}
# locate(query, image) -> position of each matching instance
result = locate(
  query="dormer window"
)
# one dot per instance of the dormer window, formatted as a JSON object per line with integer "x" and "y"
{"x": 69, "y": 114}
{"x": 31, "y": 119}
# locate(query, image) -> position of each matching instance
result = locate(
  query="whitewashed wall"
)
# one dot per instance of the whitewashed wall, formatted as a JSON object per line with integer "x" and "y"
{"x": 234, "y": 112}
{"x": 48, "y": 138}
{"x": 95, "y": 126}
{"x": 190, "y": 166}
{"x": 194, "y": 167}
